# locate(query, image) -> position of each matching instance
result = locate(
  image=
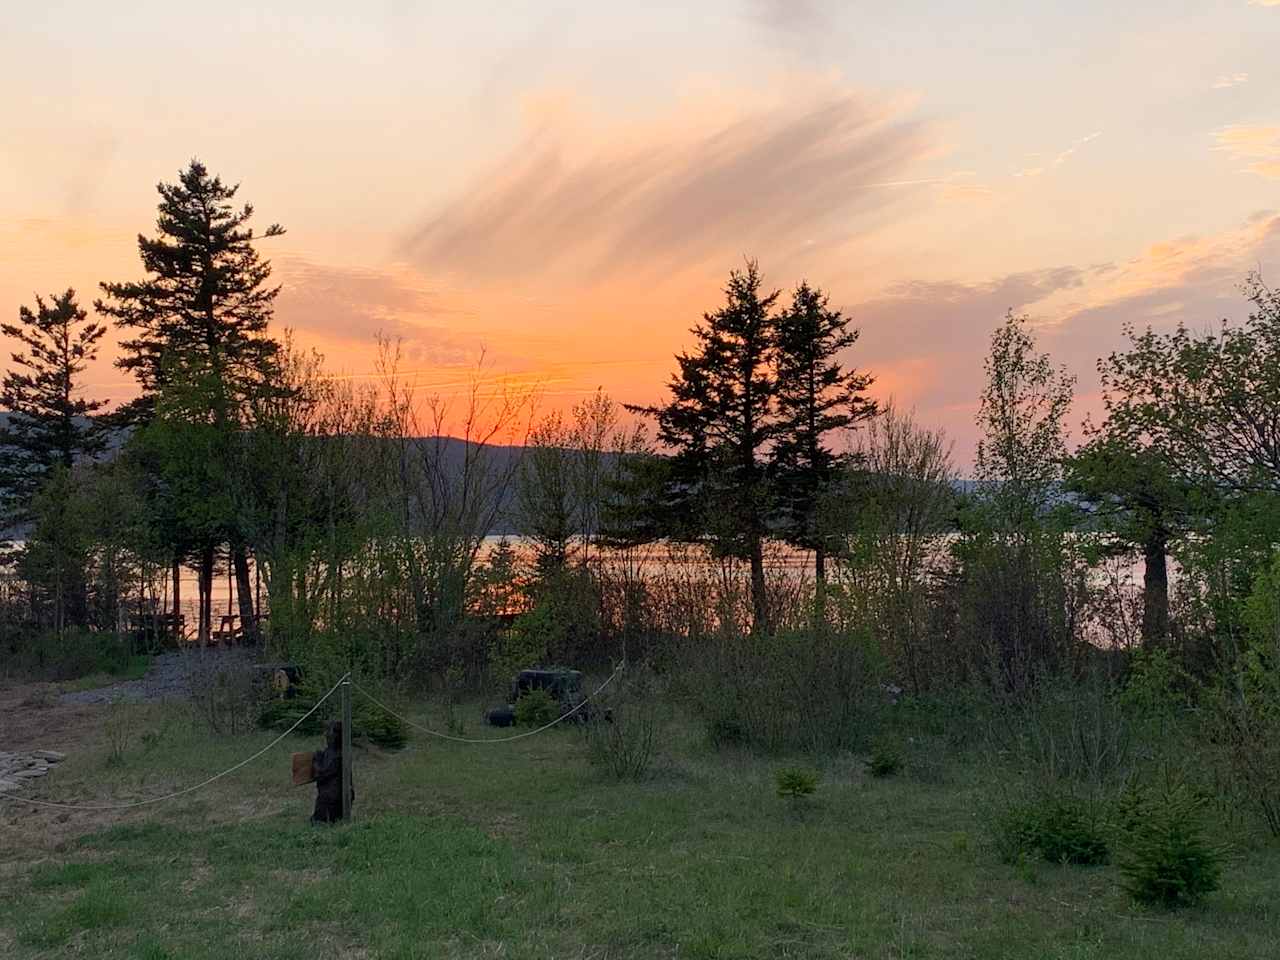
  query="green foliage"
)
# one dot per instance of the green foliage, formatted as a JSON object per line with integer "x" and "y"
{"x": 1262, "y": 608}
{"x": 796, "y": 783}
{"x": 1243, "y": 719}
{"x": 73, "y": 654}
{"x": 1056, "y": 824}
{"x": 795, "y": 690}
{"x": 718, "y": 424}
{"x": 536, "y": 708}
{"x": 1156, "y": 686}
{"x": 1196, "y": 395}
{"x": 815, "y": 397}
{"x": 1018, "y": 604}
{"x": 624, "y": 730}
{"x": 523, "y": 646}
{"x": 1022, "y": 447}
{"x": 368, "y": 721}
{"x": 49, "y": 424}
{"x": 1166, "y": 857}
{"x": 886, "y": 757}
{"x": 202, "y": 243}
{"x": 1068, "y": 731}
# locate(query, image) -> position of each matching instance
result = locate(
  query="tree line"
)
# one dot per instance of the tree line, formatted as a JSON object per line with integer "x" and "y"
{"x": 362, "y": 516}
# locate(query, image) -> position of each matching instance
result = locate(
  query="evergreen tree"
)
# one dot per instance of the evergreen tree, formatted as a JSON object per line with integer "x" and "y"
{"x": 816, "y": 396}
{"x": 49, "y": 424}
{"x": 200, "y": 330}
{"x": 717, "y": 423}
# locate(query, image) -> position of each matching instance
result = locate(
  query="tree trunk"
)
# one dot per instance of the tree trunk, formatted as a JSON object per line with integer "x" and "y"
{"x": 177, "y": 590}
{"x": 206, "y": 593}
{"x": 759, "y": 603}
{"x": 819, "y": 587}
{"x": 1155, "y": 590}
{"x": 244, "y": 593}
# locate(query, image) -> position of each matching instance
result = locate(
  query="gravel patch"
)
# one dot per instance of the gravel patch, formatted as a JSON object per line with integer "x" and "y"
{"x": 169, "y": 677}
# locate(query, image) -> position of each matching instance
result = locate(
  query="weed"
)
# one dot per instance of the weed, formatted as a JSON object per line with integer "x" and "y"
{"x": 796, "y": 784}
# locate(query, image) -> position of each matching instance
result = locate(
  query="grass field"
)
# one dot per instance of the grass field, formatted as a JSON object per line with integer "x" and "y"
{"x": 522, "y": 850}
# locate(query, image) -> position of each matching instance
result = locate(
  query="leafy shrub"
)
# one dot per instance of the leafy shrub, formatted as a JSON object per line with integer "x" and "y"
{"x": 1067, "y": 731}
{"x": 120, "y": 727}
{"x": 795, "y": 783}
{"x": 226, "y": 694}
{"x": 1072, "y": 830}
{"x": 73, "y": 653}
{"x": 368, "y": 721}
{"x": 1056, "y": 825}
{"x": 809, "y": 690}
{"x": 1166, "y": 858}
{"x": 886, "y": 757}
{"x": 1243, "y": 714}
{"x": 379, "y": 727}
{"x": 624, "y": 732}
{"x": 1014, "y": 828}
{"x": 536, "y": 708}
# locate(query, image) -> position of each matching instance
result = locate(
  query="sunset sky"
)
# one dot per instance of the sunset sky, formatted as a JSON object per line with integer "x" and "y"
{"x": 566, "y": 185}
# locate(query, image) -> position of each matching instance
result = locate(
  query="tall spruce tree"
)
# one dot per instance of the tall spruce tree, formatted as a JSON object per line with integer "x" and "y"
{"x": 718, "y": 424}
{"x": 815, "y": 396}
{"x": 50, "y": 424}
{"x": 200, "y": 323}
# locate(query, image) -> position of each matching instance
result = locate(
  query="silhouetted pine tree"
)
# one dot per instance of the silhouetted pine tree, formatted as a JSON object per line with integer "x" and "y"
{"x": 200, "y": 321}
{"x": 49, "y": 424}
{"x": 815, "y": 396}
{"x": 717, "y": 423}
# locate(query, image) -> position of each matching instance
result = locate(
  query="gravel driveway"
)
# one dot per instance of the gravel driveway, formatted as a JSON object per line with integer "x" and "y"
{"x": 169, "y": 676}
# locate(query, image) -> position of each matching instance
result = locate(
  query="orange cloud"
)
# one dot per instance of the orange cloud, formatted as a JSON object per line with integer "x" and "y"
{"x": 1257, "y": 146}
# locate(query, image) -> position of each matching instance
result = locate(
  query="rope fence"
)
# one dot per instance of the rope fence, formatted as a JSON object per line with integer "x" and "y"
{"x": 297, "y": 723}
{"x": 518, "y": 736}
{"x": 177, "y": 793}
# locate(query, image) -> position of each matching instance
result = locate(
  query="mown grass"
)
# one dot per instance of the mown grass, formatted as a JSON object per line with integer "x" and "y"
{"x": 522, "y": 851}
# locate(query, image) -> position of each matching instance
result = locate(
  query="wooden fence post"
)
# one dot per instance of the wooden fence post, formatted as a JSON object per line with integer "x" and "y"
{"x": 346, "y": 747}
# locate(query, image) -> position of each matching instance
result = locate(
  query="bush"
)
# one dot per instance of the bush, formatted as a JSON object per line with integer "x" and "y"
{"x": 795, "y": 783}
{"x": 1166, "y": 858}
{"x": 1072, "y": 830}
{"x": 536, "y": 708}
{"x": 811, "y": 690}
{"x": 1056, "y": 825}
{"x": 886, "y": 757}
{"x": 74, "y": 653}
{"x": 368, "y": 721}
{"x": 1243, "y": 718}
{"x": 624, "y": 731}
{"x": 226, "y": 694}
{"x": 1067, "y": 731}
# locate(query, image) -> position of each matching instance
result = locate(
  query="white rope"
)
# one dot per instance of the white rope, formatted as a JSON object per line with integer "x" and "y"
{"x": 518, "y": 736}
{"x": 170, "y": 796}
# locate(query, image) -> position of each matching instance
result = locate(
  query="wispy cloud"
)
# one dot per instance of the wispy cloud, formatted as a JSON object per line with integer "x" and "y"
{"x": 352, "y": 306}
{"x": 794, "y": 16}
{"x": 1257, "y": 146}
{"x": 1229, "y": 80}
{"x": 762, "y": 181}
{"x": 1036, "y": 169}
{"x": 1264, "y": 3}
